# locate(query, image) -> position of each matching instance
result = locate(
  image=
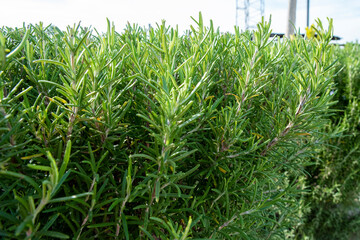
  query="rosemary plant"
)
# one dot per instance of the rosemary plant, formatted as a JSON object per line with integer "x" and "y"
{"x": 334, "y": 200}
{"x": 153, "y": 134}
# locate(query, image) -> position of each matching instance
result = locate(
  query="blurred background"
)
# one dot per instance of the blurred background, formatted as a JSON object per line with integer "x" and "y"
{"x": 225, "y": 13}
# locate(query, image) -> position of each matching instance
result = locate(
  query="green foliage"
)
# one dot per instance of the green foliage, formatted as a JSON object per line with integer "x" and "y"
{"x": 334, "y": 199}
{"x": 150, "y": 134}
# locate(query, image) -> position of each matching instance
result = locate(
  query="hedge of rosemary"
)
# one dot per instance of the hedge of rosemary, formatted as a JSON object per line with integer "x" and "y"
{"x": 334, "y": 211}
{"x": 152, "y": 134}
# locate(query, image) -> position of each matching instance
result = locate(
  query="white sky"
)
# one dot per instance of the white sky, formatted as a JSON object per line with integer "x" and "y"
{"x": 13, "y": 13}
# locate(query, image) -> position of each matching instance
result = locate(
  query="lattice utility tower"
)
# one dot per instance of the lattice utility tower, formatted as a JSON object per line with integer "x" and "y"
{"x": 249, "y": 13}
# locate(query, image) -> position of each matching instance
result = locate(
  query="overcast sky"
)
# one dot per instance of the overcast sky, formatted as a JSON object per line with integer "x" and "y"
{"x": 346, "y": 13}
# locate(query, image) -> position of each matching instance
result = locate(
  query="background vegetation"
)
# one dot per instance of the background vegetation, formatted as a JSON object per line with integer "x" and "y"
{"x": 334, "y": 197}
{"x": 152, "y": 134}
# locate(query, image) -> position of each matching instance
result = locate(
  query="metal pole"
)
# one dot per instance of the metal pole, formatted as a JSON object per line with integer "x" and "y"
{"x": 247, "y": 20}
{"x": 308, "y": 13}
{"x": 236, "y": 16}
{"x": 291, "y": 18}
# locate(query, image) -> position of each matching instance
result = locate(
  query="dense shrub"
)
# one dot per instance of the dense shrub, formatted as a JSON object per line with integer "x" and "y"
{"x": 334, "y": 199}
{"x": 150, "y": 134}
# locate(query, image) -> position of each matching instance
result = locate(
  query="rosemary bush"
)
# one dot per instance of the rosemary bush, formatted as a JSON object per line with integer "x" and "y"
{"x": 152, "y": 134}
{"x": 334, "y": 199}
